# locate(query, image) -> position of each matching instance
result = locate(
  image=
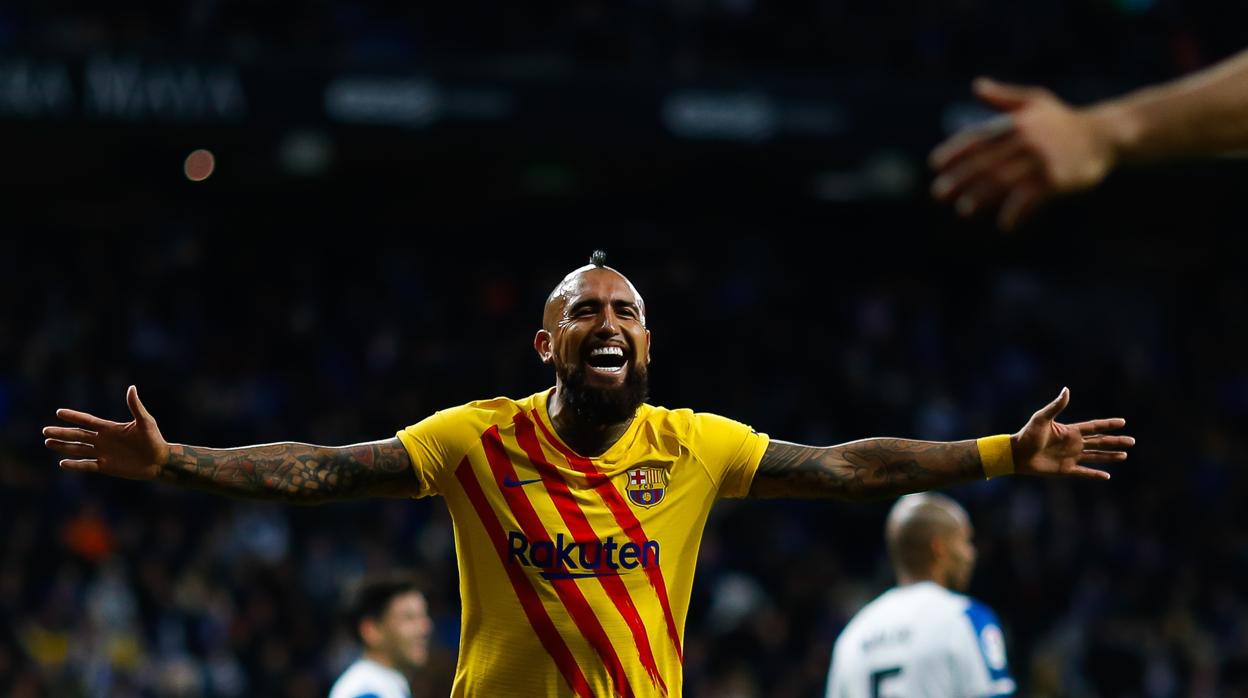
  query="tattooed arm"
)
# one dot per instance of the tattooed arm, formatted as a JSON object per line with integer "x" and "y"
{"x": 879, "y": 468}
{"x": 294, "y": 472}
{"x": 867, "y": 469}
{"x": 290, "y": 472}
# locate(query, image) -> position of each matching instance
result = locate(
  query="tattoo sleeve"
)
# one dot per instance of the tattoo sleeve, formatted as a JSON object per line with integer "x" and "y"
{"x": 294, "y": 472}
{"x": 864, "y": 470}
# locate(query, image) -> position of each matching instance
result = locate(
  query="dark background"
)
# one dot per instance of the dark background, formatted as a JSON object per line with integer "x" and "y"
{"x": 759, "y": 174}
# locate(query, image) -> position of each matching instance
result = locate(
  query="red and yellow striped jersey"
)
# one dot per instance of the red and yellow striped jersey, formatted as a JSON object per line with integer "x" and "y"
{"x": 575, "y": 573}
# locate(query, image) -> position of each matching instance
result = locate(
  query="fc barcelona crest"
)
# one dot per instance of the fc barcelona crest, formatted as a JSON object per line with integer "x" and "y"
{"x": 646, "y": 486}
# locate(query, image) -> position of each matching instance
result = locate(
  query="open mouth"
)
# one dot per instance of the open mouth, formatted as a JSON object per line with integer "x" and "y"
{"x": 609, "y": 360}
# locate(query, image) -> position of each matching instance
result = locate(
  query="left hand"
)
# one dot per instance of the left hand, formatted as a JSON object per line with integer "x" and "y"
{"x": 1047, "y": 447}
{"x": 134, "y": 450}
{"x": 1041, "y": 147}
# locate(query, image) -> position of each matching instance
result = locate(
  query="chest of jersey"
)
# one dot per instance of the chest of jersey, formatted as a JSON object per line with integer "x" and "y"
{"x": 567, "y": 517}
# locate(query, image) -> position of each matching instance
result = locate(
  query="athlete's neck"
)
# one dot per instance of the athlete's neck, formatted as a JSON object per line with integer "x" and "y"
{"x": 380, "y": 658}
{"x": 408, "y": 672}
{"x": 587, "y": 439}
{"x": 905, "y": 579}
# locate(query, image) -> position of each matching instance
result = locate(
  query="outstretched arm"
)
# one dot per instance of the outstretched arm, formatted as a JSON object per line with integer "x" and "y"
{"x": 291, "y": 472}
{"x": 295, "y": 472}
{"x": 1043, "y": 147}
{"x": 881, "y": 468}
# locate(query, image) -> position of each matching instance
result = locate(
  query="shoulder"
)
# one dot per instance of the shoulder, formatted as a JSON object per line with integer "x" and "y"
{"x": 893, "y": 601}
{"x": 987, "y": 630}
{"x": 987, "y": 648}
{"x": 944, "y": 606}
{"x": 474, "y": 416}
{"x": 488, "y": 408}
{"x": 887, "y": 620}
{"x": 355, "y": 682}
{"x": 674, "y": 422}
{"x": 364, "y": 679}
{"x": 935, "y": 609}
{"x": 876, "y": 611}
{"x": 934, "y": 599}
{"x": 921, "y": 607}
{"x": 978, "y": 612}
{"x": 690, "y": 427}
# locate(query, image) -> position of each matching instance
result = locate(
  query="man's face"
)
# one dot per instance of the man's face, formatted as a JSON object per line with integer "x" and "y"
{"x": 961, "y": 558}
{"x": 404, "y": 631}
{"x": 596, "y": 338}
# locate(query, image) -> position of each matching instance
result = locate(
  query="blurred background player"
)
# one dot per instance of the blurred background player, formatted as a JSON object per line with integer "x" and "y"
{"x": 924, "y": 637}
{"x": 1045, "y": 147}
{"x": 389, "y": 617}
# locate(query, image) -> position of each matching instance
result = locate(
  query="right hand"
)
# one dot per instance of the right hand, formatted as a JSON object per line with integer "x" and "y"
{"x": 133, "y": 450}
{"x": 1041, "y": 148}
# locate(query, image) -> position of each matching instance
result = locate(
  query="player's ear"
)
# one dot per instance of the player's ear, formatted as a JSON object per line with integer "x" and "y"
{"x": 369, "y": 632}
{"x": 541, "y": 343}
{"x": 648, "y": 346}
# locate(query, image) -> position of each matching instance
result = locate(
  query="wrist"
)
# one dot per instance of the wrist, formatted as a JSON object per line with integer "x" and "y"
{"x": 164, "y": 457}
{"x": 996, "y": 454}
{"x": 1116, "y": 128}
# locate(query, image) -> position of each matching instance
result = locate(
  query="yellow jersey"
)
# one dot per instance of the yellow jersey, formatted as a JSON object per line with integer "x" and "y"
{"x": 575, "y": 572}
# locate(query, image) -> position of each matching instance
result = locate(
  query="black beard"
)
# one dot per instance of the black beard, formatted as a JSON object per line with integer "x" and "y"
{"x": 604, "y": 405}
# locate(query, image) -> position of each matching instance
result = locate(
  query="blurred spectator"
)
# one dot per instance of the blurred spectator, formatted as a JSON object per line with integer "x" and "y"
{"x": 390, "y": 620}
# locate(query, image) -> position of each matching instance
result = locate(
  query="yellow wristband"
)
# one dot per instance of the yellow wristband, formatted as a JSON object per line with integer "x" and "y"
{"x": 996, "y": 455}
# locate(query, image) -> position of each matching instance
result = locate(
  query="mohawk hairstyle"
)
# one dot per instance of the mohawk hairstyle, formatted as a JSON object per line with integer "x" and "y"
{"x": 598, "y": 258}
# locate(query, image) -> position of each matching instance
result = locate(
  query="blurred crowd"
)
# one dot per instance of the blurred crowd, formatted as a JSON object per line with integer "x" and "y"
{"x": 109, "y": 588}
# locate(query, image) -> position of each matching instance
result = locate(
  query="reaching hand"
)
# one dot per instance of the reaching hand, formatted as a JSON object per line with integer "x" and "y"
{"x": 134, "y": 450}
{"x": 1041, "y": 148}
{"x": 1047, "y": 447}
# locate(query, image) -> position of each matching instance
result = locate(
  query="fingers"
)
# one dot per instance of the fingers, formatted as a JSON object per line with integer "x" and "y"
{"x": 1020, "y": 204}
{"x": 87, "y": 465}
{"x": 970, "y": 140}
{"x": 1005, "y": 96}
{"x": 1088, "y": 473}
{"x": 1051, "y": 410}
{"x": 137, "y": 410}
{"x": 1094, "y": 426}
{"x": 955, "y": 177}
{"x": 70, "y": 434}
{"x": 1108, "y": 443}
{"x": 987, "y": 190}
{"x": 1093, "y": 456}
{"x": 84, "y": 419}
{"x": 70, "y": 448}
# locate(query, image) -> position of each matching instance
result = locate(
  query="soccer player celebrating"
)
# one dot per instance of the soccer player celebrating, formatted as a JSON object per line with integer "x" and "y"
{"x": 1043, "y": 147}
{"x": 390, "y": 618}
{"x": 923, "y": 638}
{"x": 579, "y": 509}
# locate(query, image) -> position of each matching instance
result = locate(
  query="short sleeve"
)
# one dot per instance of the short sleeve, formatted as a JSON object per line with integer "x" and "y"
{"x": 983, "y": 663}
{"x": 729, "y": 450}
{"x": 434, "y": 444}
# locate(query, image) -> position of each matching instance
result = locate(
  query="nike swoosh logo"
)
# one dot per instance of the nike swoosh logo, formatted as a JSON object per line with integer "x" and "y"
{"x": 509, "y": 482}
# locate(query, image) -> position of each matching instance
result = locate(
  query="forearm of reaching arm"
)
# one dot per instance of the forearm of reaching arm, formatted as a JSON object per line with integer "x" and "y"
{"x": 1203, "y": 113}
{"x": 294, "y": 472}
{"x": 864, "y": 470}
